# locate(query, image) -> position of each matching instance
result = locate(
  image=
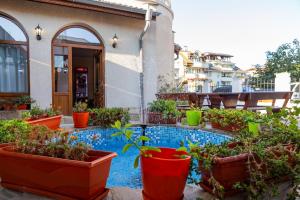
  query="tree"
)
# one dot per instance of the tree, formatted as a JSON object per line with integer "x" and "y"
{"x": 285, "y": 59}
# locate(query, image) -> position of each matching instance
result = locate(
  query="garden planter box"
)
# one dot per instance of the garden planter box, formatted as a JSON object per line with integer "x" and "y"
{"x": 51, "y": 122}
{"x": 157, "y": 118}
{"x": 164, "y": 175}
{"x": 55, "y": 177}
{"x": 227, "y": 171}
{"x": 230, "y": 128}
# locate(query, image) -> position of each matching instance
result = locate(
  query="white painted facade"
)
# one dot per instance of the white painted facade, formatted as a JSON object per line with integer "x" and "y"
{"x": 122, "y": 64}
{"x": 204, "y": 75}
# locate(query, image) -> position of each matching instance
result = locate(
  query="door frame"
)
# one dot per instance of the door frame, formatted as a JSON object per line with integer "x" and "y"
{"x": 101, "y": 72}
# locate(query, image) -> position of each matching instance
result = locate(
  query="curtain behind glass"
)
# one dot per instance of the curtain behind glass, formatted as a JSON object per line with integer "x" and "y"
{"x": 13, "y": 69}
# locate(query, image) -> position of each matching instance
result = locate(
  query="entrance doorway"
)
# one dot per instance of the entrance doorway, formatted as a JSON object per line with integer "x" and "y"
{"x": 78, "y": 69}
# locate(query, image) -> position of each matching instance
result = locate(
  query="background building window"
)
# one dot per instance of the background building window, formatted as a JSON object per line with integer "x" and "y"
{"x": 13, "y": 58}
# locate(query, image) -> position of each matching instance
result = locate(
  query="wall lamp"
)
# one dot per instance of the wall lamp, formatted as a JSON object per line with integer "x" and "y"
{"x": 115, "y": 41}
{"x": 38, "y": 32}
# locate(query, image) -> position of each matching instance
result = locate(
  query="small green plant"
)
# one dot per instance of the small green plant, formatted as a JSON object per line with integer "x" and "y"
{"x": 104, "y": 117}
{"x": 25, "y": 100}
{"x": 166, "y": 107}
{"x": 45, "y": 142}
{"x": 11, "y": 129}
{"x": 80, "y": 107}
{"x": 136, "y": 143}
{"x": 37, "y": 113}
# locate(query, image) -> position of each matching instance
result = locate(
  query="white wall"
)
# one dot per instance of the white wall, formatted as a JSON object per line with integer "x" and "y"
{"x": 121, "y": 64}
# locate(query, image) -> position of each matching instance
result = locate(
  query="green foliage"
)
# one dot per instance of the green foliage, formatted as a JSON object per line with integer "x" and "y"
{"x": 227, "y": 117}
{"x": 37, "y": 113}
{"x": 285, "y": 59}
{"x": 166, "y": 107}
{"x": 45, "y": 142}
{"x": 80, "y": 107}
{"x": 10, "y": 129}
{"x": 136, "y": 143}
{"x": 272, "y": 155}
{"x": 27, "y": 100}
{"x": 105, "y": 117}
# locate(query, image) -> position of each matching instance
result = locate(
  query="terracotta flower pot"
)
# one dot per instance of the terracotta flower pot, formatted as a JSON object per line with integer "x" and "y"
{"x": 230, "y": 128}
{"x": 51, "y": 122}
{"x": 227, "y": 171}
{"x": 164, "y": 175}
{"x": 81, "y": 119}
{"x": 157, "y": 118}
{"x": 54, "y": 177}
{"x": 22, "y": 107}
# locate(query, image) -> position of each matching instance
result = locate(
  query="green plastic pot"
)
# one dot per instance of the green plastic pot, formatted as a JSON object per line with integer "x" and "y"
{"x": 193, "y": 117}
{"x": 253, "y": 128}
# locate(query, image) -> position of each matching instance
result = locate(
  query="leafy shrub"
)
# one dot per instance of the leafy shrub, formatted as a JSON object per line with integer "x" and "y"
{"x": 27, "y": 100}
{"x": 166, "y": 107}
{"x": 45, "y": 142}
{"x": 273, "y": 154}
{"x": 10, "y": 129}
{"x": 38, "y": 113}
{"x": 80, "y": 107}
{"x": 227, "y": 117}
{"x": 105, "y": 117}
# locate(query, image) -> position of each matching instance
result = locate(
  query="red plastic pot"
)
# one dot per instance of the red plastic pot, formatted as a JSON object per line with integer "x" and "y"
{"x": 22, "y": 107}
{"x": 157, "y": 118}
{"x": 81, "y": 119}
{"x": 51, "y": 122}
{"x": 54, "y": 177}
{"x": 164, "y": 175}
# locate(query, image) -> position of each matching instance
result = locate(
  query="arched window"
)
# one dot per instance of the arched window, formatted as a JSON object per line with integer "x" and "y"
{"x": 77, "y": 35}
{"x": 13, "y": 58}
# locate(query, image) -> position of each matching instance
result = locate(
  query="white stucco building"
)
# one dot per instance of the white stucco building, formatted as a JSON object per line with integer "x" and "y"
{"x": 89, "y": 50}
{"x": 204, "y": 72}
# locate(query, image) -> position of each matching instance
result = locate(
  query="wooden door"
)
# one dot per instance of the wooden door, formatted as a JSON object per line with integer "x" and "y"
{"x": 62, "y": 79}
{"x": 99, "y": 96}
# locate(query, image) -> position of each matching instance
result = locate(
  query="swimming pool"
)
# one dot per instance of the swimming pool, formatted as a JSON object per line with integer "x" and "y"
{"x": 122, "y": 173}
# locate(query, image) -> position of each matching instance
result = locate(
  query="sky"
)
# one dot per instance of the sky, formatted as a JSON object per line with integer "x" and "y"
{"x": 245, "y": 29}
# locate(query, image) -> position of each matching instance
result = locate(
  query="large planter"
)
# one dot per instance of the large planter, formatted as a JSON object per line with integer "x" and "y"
{"x": 230, "y": 127}
{"x": 51, "y": 122}
{"x": 54, "y": 177}
{"x": 157, "y": 118}
{"x": 193, "y": 117}
{"x": 164, "y": 175}
{"x": 227, "y": 171}
{"x": 81, "y": 119}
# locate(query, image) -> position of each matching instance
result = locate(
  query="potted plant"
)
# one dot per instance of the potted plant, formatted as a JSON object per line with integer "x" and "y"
{"x": 105, "y": 117}
{"x": 55, "y": 165}
{"x": 231, "y": 120}
{"x": 164, "y": 170}
{"x": 193, "y": 116}
{"x": 23, "y": 102}
{"x": 163, "y": 112}
{"x": 254, "y": 162}
{"x": 47, "y": 117}
{"x": 80, "y": 115}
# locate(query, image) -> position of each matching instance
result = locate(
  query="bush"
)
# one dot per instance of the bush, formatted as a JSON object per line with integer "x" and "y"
{"x": 228, "y": 117}
{"x": 80, "y": 107}
{"x": 26, "y": 100}
{"x": 166, "y": 107}
{"x": 38, "y": 113}
{"x": 10, "y": 130}
{"x": 105, "y": 117}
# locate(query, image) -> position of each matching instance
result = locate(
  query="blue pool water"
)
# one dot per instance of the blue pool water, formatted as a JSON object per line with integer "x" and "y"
{"x": 122, "y": 173}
